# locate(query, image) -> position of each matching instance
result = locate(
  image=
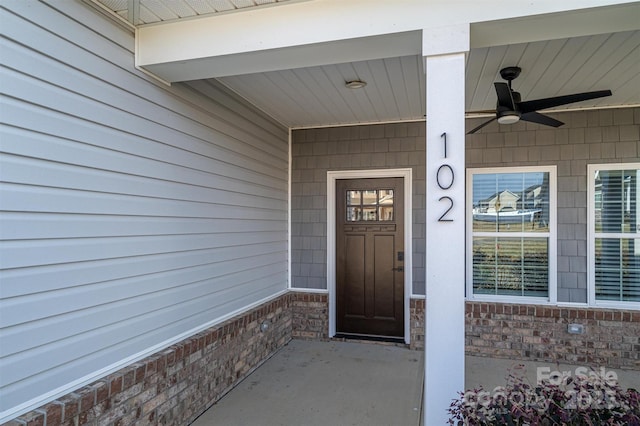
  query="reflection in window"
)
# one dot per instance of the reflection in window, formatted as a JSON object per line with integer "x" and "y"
{"x": 511, "y": 202}
{"x": 370, "y": 205}
{"x": 616, "y": 223}
{"x": 510, "y": 221}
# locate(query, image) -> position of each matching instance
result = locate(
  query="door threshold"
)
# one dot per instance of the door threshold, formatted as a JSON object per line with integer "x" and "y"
{"x": 369, "y": 338}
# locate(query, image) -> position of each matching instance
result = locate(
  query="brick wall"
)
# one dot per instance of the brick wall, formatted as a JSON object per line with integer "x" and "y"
{"x": 310, "y": 313}
{"x": 539, "y": 333}
{"x": 177, "y": 384}
{"x": 416, "y": 316}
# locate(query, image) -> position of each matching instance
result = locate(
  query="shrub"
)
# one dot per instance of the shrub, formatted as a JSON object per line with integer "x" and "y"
{"x": 581, "y": 400}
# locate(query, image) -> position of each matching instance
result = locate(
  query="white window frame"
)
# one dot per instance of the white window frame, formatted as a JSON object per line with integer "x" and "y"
{"x": 591, "y": 236}
{"x": 552, "y": 298}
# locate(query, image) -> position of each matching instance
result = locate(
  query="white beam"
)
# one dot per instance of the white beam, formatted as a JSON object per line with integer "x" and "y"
{"x": 445, "y": 221}
{"x": 328, "y": 28}
{"x": 348, "y": 50}
{"x": 560, "y": 25}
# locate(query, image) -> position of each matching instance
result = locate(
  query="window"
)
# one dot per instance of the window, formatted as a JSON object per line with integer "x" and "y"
{"x": 614, "y": 235}
{"x": 511, "y": 234}
{"x": 373, "y": 205}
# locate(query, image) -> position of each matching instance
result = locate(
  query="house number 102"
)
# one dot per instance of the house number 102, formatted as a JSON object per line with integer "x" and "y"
{"x": 444, "y": 179}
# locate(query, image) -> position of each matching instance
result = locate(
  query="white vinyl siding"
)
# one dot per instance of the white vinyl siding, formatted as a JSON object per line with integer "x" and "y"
{"x": 133, "y": 214}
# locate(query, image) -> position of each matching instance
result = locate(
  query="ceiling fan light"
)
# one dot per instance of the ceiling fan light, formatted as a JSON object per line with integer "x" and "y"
{"x": 509, "y": 117}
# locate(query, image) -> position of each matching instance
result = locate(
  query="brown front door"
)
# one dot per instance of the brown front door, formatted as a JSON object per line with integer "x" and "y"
{"x": 370, "y": 257}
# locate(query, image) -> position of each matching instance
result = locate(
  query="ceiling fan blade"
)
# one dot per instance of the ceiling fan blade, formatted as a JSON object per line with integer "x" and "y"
{"x": 538, "y": 104}
{"x": 480, "y": 126}
{"x": 536, "y": 117}
{"x": 505, "y": 98}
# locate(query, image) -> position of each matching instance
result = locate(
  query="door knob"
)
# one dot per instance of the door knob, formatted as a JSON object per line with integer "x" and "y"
{"x": 398, "y": 269}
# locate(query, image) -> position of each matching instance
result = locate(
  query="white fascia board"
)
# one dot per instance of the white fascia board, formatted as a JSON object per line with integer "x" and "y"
{"x": 348, "y": 50}
{"x": 283, "y": 30}
{"x": 577, "y": 23}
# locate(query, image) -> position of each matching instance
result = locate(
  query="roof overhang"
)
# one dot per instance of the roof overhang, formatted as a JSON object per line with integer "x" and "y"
{"x": 319, "y": 32}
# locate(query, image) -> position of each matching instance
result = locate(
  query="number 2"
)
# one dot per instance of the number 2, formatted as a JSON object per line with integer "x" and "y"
{"x": 443, "y": 218}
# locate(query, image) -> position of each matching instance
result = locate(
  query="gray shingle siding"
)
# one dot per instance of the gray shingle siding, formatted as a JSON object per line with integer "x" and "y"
{"x": 605, "y": 136}
{"x": 316, "y": 151}
{"x": 588, "y": 137}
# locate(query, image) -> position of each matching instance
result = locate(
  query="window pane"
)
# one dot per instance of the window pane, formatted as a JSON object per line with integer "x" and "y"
{"x": 617, "y": 269}
{"x": 386, "y": 197}
{"x": 616, "y": 201}
{"x": 385, "y": 213}
{"x": 369, "y": 214}
{"x": 354, "y": 198}
{"x": 369, "y": 198}
{"x": 370, "y": 205}
{"x": 510, "y": 266}
{"x": 353, "y": 214}
{"x": 484, "y": 264}
{"x": 511, "y": 202}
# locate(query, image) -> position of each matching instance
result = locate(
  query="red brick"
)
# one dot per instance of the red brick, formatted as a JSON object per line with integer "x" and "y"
{"x": 139, "y": 373}
{"x": 87, "y": 398}
{"x": 179, "y": 353}
{"x": 102, "y": 391}
{"x": 71, "y": 405}
{"x": 115, "y": 385}
{"x": 34, "y": 418}
{"x": 54, "y": 412}
{"x": 128, "y": 378}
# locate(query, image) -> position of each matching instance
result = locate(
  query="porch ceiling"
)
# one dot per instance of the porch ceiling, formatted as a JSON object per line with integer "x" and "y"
{"x": 559, "y": 54}
{"x": 152, "y": 11}
{"x": 317, "y": 96}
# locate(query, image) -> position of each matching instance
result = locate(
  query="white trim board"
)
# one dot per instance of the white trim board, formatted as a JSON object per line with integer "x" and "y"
{"x": 332, "y": 176}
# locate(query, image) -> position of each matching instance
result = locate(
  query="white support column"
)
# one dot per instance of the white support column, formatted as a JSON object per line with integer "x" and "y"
{"x": 445, "y": 223}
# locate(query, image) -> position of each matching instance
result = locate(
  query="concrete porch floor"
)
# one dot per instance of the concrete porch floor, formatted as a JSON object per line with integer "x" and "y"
{"x": 352, "y": 383}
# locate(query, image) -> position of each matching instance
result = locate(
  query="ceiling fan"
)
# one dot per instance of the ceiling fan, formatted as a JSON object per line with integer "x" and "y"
{"x": 511, "y": 109}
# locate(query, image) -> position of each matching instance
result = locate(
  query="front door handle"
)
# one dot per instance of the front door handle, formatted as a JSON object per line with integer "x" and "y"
{"x": 398, "y": 269}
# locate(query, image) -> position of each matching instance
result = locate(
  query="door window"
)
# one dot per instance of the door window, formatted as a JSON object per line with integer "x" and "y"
{"x": 370, "y": 205}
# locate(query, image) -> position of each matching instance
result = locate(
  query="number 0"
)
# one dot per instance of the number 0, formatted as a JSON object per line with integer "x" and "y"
{"x": 447, "y": 185}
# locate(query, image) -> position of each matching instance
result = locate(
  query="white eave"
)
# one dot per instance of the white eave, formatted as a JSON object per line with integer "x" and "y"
{"x": 319, "y": 32}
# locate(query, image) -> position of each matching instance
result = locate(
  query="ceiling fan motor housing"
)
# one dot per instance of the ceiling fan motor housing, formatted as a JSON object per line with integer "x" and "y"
{"x": 510, "y": 73}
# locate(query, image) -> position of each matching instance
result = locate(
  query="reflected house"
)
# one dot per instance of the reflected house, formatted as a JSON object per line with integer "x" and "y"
{"x": 508, "y": 206}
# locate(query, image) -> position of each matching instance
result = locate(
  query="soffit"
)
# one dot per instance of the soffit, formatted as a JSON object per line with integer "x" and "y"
{"x": 315, "y": 95}
{"x": 153, "y": 11}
